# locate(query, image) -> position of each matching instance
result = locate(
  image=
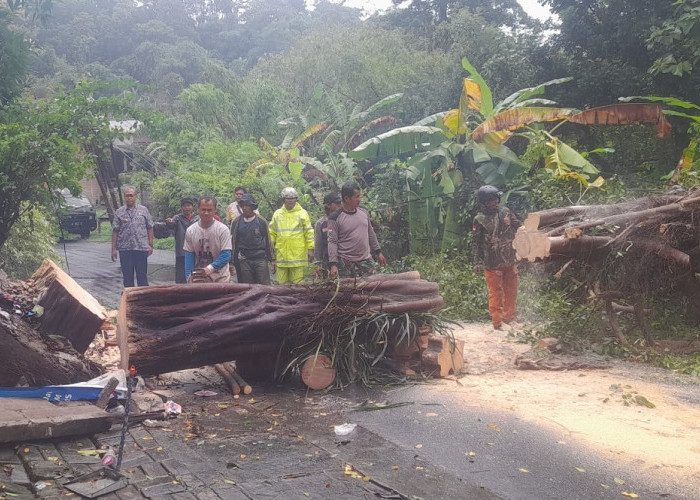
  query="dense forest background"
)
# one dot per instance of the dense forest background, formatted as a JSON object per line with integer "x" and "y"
{"x": 268, "y": 93}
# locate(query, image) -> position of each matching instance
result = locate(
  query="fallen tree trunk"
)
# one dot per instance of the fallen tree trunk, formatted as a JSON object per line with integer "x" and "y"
{"x": 28, "y": 358}
{"x": 174, "y": 327}
{"x": 629, "y": 247}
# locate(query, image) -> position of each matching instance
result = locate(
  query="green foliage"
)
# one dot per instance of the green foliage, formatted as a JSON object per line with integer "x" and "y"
{"x": 14, "y": 58}
{"x": 464, "y": 291}
{"x": 164, "y": 243}
{"x": 31, "y": 240}
{"x": 679, "y": 39}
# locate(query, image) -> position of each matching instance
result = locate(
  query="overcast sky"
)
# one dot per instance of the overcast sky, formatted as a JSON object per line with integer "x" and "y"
{"x": 531, "y": 7}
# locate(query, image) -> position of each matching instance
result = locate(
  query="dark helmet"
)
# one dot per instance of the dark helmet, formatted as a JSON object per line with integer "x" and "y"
{"x": 249, "y": 199}
{"x": 488, "y": 193}
{"x": 332, "y": 198}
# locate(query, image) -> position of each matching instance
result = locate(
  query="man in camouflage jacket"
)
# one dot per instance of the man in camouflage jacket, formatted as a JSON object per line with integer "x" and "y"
{"x": 492, "y": 250}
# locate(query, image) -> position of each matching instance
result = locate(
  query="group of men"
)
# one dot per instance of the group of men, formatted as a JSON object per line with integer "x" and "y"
{"x": 345, "y": 241}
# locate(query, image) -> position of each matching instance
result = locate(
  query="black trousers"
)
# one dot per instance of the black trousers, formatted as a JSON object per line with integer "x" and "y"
{"x": 134, "y": 261}
{"x": 180, "y": 270}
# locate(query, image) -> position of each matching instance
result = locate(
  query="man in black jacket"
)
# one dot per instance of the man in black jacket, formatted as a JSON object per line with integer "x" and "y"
{"x": 250, "y": 239}
{"x": 178, "y": 225}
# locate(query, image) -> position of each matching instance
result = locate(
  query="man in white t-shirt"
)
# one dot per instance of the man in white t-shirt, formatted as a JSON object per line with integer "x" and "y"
{"x": 235, "y": 209}
{"x": 208, "y": 244}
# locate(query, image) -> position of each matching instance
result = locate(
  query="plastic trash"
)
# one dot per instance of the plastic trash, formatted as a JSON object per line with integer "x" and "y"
{"x": 172, "y": 409}
{"x": 206, "y": 394}
{"x": 344, "y": 429}
{"x": 109, "y": 458}
{"x": 155, "y": 423}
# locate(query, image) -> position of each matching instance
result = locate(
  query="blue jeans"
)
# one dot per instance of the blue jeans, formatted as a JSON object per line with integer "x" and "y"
{"x": 134, "y": 260}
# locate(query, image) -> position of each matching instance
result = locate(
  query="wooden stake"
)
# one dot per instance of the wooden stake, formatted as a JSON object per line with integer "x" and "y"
{"x": 232, "y": 384}
{"x": 247, "y": 389}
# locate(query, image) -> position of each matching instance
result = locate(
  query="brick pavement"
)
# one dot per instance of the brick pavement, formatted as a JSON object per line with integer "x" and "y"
{"x": 279, "y": 445}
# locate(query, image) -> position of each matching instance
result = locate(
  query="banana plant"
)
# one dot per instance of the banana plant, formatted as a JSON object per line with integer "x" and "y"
{"x": 474, "y": 134}
{"x": 321, "y": 136}
{"x": 691, "y": 153}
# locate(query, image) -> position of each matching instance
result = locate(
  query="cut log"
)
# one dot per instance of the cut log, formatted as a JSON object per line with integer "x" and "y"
{"x": 174, "y": 327}
{"x": 69, "y": 310}
{"x": 442, "y": 357}
{"x": 27, "y": 357}
{"x": 245, "y": 386}
{"x": 317, "y": 372}
{"x": 228, "y": 378}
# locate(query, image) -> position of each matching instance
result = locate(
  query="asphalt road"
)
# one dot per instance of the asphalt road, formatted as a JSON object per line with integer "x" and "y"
{"x": 90, "y": 264}
{"x": 480, "y": 452}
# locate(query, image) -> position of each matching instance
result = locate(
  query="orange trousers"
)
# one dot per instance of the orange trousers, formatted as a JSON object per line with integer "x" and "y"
{"x": 503, "y": 293}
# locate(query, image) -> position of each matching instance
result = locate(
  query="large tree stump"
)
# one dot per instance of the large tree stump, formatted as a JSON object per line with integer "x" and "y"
{"x": 26, "y": 356}
{"x": 69, "y": 310}
{"x": 174, "y": 327}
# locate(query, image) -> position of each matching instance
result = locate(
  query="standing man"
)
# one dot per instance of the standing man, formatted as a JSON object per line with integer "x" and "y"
{"x": 208, "y": 244}
{"x": 132, "y": 239}
{"x": 351, "y": 237}
{"x": 235, "y": 209}
{"x": 331, "y": 203}
{"x": 250, "y": 240}
{"x": 178, "y": 225}
{"x": 492, "y": 250}
{"x": 292, "y": 235}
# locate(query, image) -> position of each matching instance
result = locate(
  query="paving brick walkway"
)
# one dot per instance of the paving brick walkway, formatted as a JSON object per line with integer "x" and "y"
{"x": 279, "y": 445}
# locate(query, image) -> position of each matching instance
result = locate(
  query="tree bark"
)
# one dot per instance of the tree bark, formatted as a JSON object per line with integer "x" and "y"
{"x": 174, "y": 327}
{"x": 27, "y": 357}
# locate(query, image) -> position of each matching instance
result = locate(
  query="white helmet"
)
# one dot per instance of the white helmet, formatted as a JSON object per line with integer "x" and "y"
{"x": 289, "y": 192}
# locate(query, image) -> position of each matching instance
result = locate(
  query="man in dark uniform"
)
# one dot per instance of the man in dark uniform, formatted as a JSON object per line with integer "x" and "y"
{"x": 492, "y": 250}
{"x": 178, "y": 224}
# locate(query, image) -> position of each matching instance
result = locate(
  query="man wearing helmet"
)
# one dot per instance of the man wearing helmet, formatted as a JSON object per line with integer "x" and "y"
{"x": 492, "y": 250}
{"x": 292, "y": 235}
{"x": 250, "y": 240}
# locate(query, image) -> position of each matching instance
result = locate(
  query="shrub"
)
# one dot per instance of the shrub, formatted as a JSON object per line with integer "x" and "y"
{"x": 31, "y": 241}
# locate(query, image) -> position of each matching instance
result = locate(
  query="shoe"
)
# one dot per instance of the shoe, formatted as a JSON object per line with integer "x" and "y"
{"x": 498, "y": 327}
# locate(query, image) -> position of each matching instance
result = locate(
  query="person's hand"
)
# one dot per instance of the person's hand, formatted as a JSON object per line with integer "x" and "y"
{"x": 273, "y": 264}
{"x": 169, "y": 220}
{"x": 150, "y": 249}
{"x": 333, "y": 271}
{"x": 209, "y": 269}
{"x": 310, "y": 255}
{"x": 381, "y": 259}
{"x": 114, "y": 254}
{"x": 477, "y": 269}
{"x": 232, "y": 269}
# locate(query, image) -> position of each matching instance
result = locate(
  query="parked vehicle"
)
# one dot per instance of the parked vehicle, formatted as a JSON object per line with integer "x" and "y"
{"x": 77, "y": 216}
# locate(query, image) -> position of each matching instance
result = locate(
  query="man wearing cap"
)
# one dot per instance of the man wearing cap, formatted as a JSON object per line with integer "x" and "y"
{"x": 208, "y": 244}
{"x": 178, "y": 224}
{"x": 492, "y": 251}
{"x": 351, "y": 238}
{"x": 292, "y": 235}
{"x": 331, "y": 203}
{"x": 250, "y": 240}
